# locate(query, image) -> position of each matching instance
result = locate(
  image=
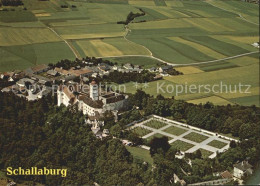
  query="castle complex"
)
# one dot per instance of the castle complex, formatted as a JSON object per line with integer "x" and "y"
{"x": 92, "y": 100}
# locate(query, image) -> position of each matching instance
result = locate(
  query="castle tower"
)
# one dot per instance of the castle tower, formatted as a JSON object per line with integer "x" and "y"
{"x": 93, "y": 91}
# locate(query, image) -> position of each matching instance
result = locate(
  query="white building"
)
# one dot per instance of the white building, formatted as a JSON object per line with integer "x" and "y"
{"x": 256, "y": 44}
{"x": 241, "y": 169}
{"x": 91, "y": 100}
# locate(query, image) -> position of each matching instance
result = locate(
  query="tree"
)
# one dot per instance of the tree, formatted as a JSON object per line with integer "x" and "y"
{"x": 235, "y": 125}
{"x": 159, "y": 143}
{"x": 116, "y": 130}
{"x": 248, "y": 130}
{"x": 233, "y": 144}
{"x": 133, "y": 137}
{"x": 198, "y": 154}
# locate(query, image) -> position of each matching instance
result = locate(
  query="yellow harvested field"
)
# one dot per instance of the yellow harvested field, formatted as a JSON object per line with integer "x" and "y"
{"x": 204, "y": 49}
{"x": 189, "y": 70}
{"x": 106, "y": 49}
{"x": 243, "y": 39}
{"x": 213, "y": 99}
{"x": 98, "y": 48}
{"x": 244, "y": 61}
{"x": 93, "y": 36}
{"x": 142, "y": 3}
{"x": 127, "y": 47}
{"x": 38, "y": 11}
{"x": 23, "y": 36}
{"x": 42, "y": 14}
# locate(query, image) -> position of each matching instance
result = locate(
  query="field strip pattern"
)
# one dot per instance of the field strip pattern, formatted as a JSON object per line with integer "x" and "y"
{"x": 71, "y": 48}
{"x": 232, "y": 12}
{"x": 217, "y": 60}
{"x": 202, "y": 145}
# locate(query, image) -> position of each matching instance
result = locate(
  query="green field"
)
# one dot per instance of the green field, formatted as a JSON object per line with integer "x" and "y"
{"x": 181, "y": 145}
{"x": 21, "y": 57}
{"x": 217, "y": 66}
{"x": 175, "y": 130}
{"x": 140, "y": 154}
{"x": 193, "y": 136}
{"x": 247, "y": 100}
{"x": 205, "y": 153}
{"x": 155, "y": 124}
{"x": 141, "y": 131}
{"x": 217, "y": 144}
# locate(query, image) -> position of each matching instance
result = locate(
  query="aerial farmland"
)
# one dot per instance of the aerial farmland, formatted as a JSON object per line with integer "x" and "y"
{"x": 205, "y": 39}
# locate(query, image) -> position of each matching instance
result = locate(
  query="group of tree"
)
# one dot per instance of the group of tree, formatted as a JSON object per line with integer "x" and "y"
{"x": 91, "y": 61}
{"x": 124, "y": 77}
{"x": 174, "y": 72}
{"x": 11, "y": 2}
{"x": 131, "y": 16}
{"x": 64, "y": 6}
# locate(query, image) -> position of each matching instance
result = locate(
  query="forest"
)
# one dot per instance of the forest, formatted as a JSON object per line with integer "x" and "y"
{"x": 67, "y": 64}
{"x": 125, "y": 77}
{"x": 131, "y": 16}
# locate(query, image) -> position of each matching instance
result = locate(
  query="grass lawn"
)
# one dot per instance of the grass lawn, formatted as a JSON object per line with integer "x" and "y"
{"x": 157, "y": 135}
{"x": 175, "y": 130}
{"x": 217, "y": 144}
{"x": 141, "y": 131}
{"x": 140, "y": 154}
{"x": 155, "y": 124}
{"x": 205, "y": 153}
{"x": 181, "y": 145}
{"x": 193, "y": 136}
